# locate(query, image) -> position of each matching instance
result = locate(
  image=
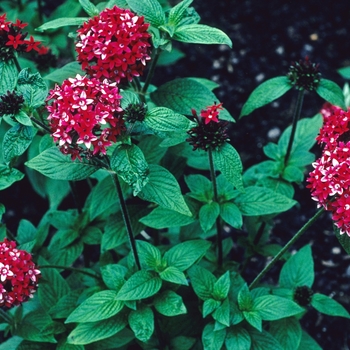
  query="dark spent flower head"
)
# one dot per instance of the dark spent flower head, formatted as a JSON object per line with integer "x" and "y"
{"x": 210, "y": 132}
{"x": 135, "y": 112}
{"x": 303, "y": 295}
{"x": 18, "y": 275}
{"x": 304, "y": 75}
{"x": 45, "y": 59}
{"x": 114, "y": 45}
{"x": 10, "y": 103}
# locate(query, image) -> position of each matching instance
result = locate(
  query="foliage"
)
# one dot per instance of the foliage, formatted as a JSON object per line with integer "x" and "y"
{"x": 146, "y": 258}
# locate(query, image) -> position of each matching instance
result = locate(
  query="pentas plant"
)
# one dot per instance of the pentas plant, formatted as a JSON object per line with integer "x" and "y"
{"x": 145, "y": 255}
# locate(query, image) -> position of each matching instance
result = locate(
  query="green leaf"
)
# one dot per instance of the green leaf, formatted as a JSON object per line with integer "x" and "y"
{"x": 228, "y": 161}
{"x": 304, "y": 139}
{"x": 298, "y": 270}
{"x": 208, "y": 214}
{"x": 213, "y": 340}
{"x": 163, "y": 189}
{"x": 23, "y": 118}
{"x": 140, "y": 285}
{"x": 209, "y": 306}
{"x": 222, "y": 286}
{"x": 149, "y": 145}
{"x": 183, "y": 94}
{"x": 287, "y": 332}
{"x": 169, "y": 303}
{"x": 141, "y": 322}
{"x": 293, "y": 174}
{"x": 62, "y": 22}
{"x": 69, "y": 70}
{"x": 230, "y": 213}
{"x": 55, "y": 165}
{"x": 89, "y": 8}
{"x": 265, "y": 93}
{"x": 32, "y": 87}
{"x": 177, "y": 12}
{"x": 16, "y": 141}
{"x": 238, "y": 338}
{"x": 129, "y": 163}
{"x": 184, "y": 255}
{"x": 8, "y": 176}
{"x": 164, "y": 120}
{"x": 245, "y": 299}
{"x": 149, "y": 255}
{"x": 113, "y": 275}
{"x": 201, "y": 34}
{"x": 262, "y": 340}
{"x": 160, "y": 218}
{"x": 150, "y": 9}
{"x": 54, "y": 288}
{"x": 11, "y": 343}
{"x": 222, "y": 313}
{"x": 120, "y": 340}
{"x": 26, "y": 232}
{"x": 173, "y": 275}
{"x": 331, "y": 92}
{"x": 308, "y": 343}
{"x": 99, "y": 306}
{"x": 200, "y": 186}
{"x": 103, "y": 197}
{"x": 344, "y": 72}
{"x": 115, "y": 231}
{"x": 202, "y": 281}
{"x": 342, "y": 238}
{"x": 8, "y": 76}
{"x": 88, "y": 332}
{"x": 262, "y": 201}
{"x": 328, "y": 306}
{"x": 65, "y": 305}
{"x": 272, "y": 307}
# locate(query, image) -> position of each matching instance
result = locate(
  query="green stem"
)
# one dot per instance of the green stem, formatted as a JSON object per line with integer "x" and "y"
{"x": 15, "y": 61}
{"x": 217, "y": 222}
{"x": 126, "y": 219}
{"x": 42, "y": 125}
{"x": 10, "y": 235}
{"x": 296, "y": 117}
{"x": 40, "y": 11}
{"x": 150, "y": 72}
{"x": 69, "y": 268}
{"x": 5, "y": 316}
{"x": 285, "y": 248}
{"x": 75, "y": 195}
{"x": 259, "y": 233}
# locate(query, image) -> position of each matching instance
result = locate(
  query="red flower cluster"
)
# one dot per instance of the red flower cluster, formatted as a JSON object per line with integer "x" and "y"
{"x": 85, "y": 112}
{"x": 13, "y": 39}
{"x": 114, "y": 45}
{"x": 330, "y": 180}
{"x": 210, "y": 114}
{"x": 18, "y": 275}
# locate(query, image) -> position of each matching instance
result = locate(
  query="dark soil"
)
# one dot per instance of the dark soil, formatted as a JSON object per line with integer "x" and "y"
{"x": 267, "y": 36}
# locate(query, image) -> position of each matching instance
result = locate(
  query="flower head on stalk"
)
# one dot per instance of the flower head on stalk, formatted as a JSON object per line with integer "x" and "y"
{"x": 210, "y": 132}
{"x": 18, "y": 275}
{"x": 85, "y": 116}
{"x": 12, "y": 39}
{"x": 114, "y": 45}
{"x": 304, "y": 75}
{"x": 329, "y": 182}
